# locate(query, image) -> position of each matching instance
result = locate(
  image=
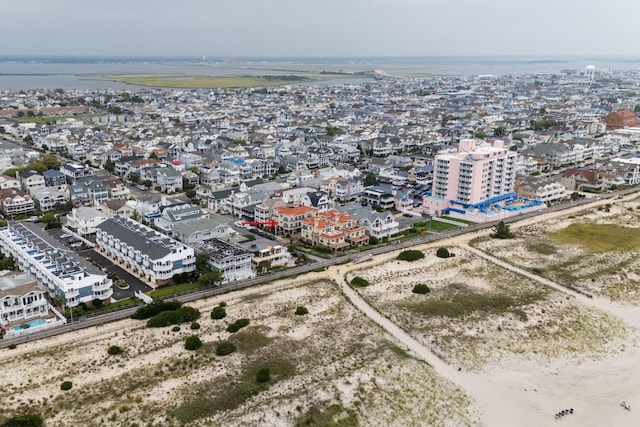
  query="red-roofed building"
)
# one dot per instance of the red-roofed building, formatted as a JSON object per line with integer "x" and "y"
{"x": 289, "y": 219}
{"x": 621, "y": 119}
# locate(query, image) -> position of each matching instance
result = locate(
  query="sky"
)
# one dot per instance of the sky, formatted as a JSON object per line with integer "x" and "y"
{"x": 325, "y": 28}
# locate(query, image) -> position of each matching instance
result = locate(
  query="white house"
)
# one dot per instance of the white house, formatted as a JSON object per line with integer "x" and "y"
{"x": 20, "y": 298}
{"x": 83, "y": 220}
{"x": 233, "y": 261}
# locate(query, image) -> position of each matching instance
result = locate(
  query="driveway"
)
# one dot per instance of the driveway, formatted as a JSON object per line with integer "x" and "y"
{"x": 135, "y": 284}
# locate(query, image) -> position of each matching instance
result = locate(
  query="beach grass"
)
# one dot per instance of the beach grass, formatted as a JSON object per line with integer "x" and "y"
{"x": 598, "y": 238}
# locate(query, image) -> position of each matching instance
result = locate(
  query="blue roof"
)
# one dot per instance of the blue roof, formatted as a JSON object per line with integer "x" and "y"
{"x": 236, "y": 160}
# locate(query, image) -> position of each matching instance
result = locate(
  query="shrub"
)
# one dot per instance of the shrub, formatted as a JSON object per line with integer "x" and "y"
{"x": 156, "y": 307}
{"x": 242, "y": 322}
{"x": 502, "y": 231}
{"x": 66, "y": 385}
{"x": 218, "y": 313}
{"x": 192, "y": 343}
{"x": 26, "y": 420}
{"x": 410, "y": 255}
{"x": 301, "y": 311}
{"x": 12, "y": 346}
{"x": 175, "y": 329}
{"x": 443, "y": 253}
{"x": 264, "y": 375}
{"x": 421, "y": 289}
{"x": 114, "y": 350}
{"x": 175, "y": 317}
{"x": 224, "y": 348}
{"x": 222, "y": 304}
{"x": 195, "y": 326}
{"x": 234, "y": 327}
{"x": 359, "y": 282}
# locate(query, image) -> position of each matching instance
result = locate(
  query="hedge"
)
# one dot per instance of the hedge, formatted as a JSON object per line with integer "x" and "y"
{"x": 175, "y": 317}
{"x": 155, "y": 308}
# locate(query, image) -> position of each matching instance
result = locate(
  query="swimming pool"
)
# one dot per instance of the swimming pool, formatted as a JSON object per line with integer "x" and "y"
{"x": 30, "y": 325}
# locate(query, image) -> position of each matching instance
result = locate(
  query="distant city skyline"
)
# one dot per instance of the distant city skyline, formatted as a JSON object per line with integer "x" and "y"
{"x": 331, "y": 28}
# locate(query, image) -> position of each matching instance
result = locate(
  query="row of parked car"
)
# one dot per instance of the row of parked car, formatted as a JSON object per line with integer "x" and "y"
{"x": 70, "y": 241}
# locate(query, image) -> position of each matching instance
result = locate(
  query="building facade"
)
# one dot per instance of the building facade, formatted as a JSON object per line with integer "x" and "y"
{"x": 150, "y": 255}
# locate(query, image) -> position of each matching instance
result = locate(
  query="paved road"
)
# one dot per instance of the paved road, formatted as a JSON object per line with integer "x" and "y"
{"x": 134, "y": 283}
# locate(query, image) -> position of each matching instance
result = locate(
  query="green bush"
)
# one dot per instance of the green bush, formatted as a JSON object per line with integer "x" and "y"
{"x": 195, "y": 326}
{"x": 192, "y": 343}
{"x": 421, "y": 289}
{"x": 175, "y": 329}
{"x": 359, "y": 282}
{"x": 155, "y": 308}
{"x": 242, "y": 322}
{"x": 175, "y": 317}
{"x": 26, "y": 420}
{"x": 442, "y": 253}
{"x": 301, "y": 310}
{"x": 224, "y": 348}
{"x": 264, "y": 375}
{"x": 12, "y": 346}
{"x": 218, "y": 313}
{"x": 234, "y": 327}
{"x": 66, "y": 385}
{"x": 410, "y": 255}
{"x": 114, "y": 350}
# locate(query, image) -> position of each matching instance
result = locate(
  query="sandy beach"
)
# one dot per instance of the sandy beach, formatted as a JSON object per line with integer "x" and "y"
{"x": 540, "y": 349}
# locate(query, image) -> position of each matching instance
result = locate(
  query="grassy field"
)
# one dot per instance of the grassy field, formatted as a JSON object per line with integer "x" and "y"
{"x": 204, "y": 82}
{"x": 598, "y": 238}
{"x": 166, "y": 291}
{"x": 43, "y": 120}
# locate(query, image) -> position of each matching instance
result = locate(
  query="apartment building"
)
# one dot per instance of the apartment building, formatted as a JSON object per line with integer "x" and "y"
{"x": 480, "y": 175}
{"x": 21, "y": 298}
{"x": 61, "y": 272}
{"x": 150, "y": 255}
{"x": 289, "y": 218}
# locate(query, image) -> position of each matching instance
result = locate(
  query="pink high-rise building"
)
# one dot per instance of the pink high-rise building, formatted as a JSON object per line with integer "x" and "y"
{"x": 478, "y": 177}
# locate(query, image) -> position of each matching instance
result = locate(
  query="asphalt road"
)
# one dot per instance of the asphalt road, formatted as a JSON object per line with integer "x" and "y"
{"x": 134, "y": 283}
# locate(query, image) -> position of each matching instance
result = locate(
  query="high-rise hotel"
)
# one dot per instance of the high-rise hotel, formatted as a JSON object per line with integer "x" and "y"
{"x": 476, "y": 179}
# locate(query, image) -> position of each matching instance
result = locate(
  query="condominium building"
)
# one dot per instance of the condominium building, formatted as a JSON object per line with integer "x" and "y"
{"x": 478, "y": 176}
{"x": 150, "y": 255}
{"x": 61, "y": 272}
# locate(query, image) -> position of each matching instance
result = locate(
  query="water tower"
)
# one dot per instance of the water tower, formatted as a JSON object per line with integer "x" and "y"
{"x": 591, "y": 72}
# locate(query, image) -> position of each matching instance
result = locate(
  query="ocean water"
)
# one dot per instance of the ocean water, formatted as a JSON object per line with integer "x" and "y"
{"x": 23, "y": 73}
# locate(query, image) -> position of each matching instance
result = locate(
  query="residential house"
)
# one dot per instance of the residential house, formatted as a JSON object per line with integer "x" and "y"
{"x": 30, "y": 180}
{"x": 117, "y": 207}
{"x": 172, "y": 215}
{"x": 6, "y": 182}
{"x": 289, "y": 218}
{"x": 201, "y": 229}
{"x": 54, "y": 178}
{"x": 234, "y": 262}
{"x": 168, "y": 179}
{"x": 16, "y": 202}
{"x": 378, "y": 196}
{"x": 269, "y": 255}
{"x": 117, "y": 190}
{"x": 49, "y": 198}
{"x": 75, "y": 171}
{"x": 21, "y": 299}
{"x": 83, "y": 220}
{"x": 540, "y": 189}
{"x": 376, "y": 224}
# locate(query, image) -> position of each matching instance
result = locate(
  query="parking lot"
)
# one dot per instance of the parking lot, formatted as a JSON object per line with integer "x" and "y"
{"x": 103, "y": 263}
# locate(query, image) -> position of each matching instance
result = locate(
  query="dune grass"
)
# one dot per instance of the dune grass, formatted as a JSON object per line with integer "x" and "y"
{"x": 598, "y": 238}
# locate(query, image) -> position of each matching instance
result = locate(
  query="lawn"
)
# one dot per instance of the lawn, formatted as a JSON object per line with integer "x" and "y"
{"x": 199, "y": 81}
{"x": 461, "y": 221}
{"x": 598, "y": 238}
{"x": 169, "y": 290}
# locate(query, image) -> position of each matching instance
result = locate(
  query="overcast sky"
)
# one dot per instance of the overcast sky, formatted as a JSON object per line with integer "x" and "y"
{"x": 320, "y": 27}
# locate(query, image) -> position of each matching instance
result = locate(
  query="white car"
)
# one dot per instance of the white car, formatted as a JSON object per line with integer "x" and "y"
{"x": 240, "y": 224}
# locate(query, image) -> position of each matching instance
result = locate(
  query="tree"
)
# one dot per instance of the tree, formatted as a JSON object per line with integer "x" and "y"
{"x": 499, "y": 131}
{"x": 146, "y": 183}
{"x": 370, "y": 179}
{"x": 134, "y": 177}
{"x": 51, "y": 220}
{"x": 502, "y": 231}
{"x": 211, "y": 278}
{"x": 109, "y": 165}
{"x": 135, "y": 215}
{"x": 202, "y": 262}
{"x": 20, "y": 114}
{"x": 153, "y": 155}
